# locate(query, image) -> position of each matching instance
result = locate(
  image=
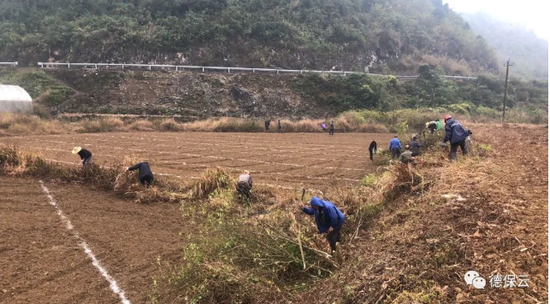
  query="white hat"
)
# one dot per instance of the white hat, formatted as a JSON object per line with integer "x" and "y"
{"x": 76, "y": 150}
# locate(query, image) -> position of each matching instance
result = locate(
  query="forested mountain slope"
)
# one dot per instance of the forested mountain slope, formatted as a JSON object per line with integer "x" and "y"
{"x": 387, "y": 36}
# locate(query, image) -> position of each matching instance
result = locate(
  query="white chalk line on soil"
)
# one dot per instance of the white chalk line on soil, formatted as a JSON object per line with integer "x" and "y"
{"x": 82, "y": 243}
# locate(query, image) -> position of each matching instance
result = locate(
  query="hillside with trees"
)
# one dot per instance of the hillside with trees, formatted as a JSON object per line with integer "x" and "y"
{"x": 528, "y": 52}
{"x": 384, "y": 36}
{"x": 195, "y": 96}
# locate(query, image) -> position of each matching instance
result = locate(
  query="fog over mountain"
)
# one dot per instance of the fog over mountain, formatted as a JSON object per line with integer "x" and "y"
{"x": 526, "y": 50}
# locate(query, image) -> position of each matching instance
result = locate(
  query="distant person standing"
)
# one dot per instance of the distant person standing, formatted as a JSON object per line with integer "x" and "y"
{"x": 456, "y": 134}
{"x": 331, "y": 128}
{"x": 415, "y": 146}
{"x": 145, "y": 174}
{"x": 267, "y": 123}
{"x": 372, "y": 150}
{"x": 244, "y": 184}
{"x": 85, "y": 155}
{"x": 323, "y": 127}
{"x": 279, "y": 126}
{"x": 395, "y": 147}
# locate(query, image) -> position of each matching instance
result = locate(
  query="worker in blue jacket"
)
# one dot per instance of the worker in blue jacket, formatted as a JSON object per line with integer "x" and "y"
{"x": 395, "y": 147}
{"x": 328, "y": 218}
{"x": 456, "y": 134}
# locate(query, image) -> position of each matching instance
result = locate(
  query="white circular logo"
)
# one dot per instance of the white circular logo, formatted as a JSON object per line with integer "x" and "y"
{"x": 479, "y": 283}
{"x": 470, "y": 276}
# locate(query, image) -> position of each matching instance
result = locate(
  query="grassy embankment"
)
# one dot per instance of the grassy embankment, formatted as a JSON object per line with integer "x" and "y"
{"x": 399, "y": 121}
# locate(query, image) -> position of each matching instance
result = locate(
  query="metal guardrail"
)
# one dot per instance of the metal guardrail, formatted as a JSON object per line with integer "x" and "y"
{"x": 13, "y": 64}
{"x": 222, "y": 69}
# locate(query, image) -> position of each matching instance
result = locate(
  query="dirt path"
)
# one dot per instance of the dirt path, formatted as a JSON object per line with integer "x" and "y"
{"x": 41, "y": 259}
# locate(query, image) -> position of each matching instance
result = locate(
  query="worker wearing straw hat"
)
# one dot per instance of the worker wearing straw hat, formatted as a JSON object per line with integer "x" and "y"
{"x": 244, "y": 184}
{"x": 85, "y": 155}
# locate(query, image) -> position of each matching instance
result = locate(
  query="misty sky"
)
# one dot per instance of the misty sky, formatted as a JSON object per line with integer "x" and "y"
{"x": 533, "y": 14}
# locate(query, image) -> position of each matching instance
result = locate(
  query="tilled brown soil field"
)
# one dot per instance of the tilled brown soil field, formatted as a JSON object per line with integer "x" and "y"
{"x": 42, "y": 261}
{"x": 290, "y": 160}
{"x": 503, "y": 223}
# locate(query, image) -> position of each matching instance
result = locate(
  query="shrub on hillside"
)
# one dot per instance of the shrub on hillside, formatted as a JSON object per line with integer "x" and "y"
{"x": 41, "y": 111}
{"x": 109, "y": 124}
{"x": 142, "y": 125}
{"x": 26, "y": 124}
{"x": 168, "y": 125}
{"x": 239, "y": 125}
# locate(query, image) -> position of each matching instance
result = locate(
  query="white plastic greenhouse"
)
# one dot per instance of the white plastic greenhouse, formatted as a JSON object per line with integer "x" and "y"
{"x": 14, "y": 99}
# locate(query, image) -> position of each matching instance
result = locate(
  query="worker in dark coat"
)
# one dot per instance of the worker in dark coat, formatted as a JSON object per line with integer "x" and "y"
{"x": 456, "y": 134}
{"x": 85, "y": 155}
{"x": 372, "y": 150}
{"x": 267, "y": 123}
{"x": 328, "y": 219}
{"x": 331, "y": 128}
{"x": 244, "y": 184}
{"x": 415, "y": 146}
{"x": 145, "y": 174}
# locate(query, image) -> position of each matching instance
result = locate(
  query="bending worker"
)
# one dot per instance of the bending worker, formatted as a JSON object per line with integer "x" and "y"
{"x": 456, "y": 134}
{"x": 85, "y": 155}
{"x": 145, "y": 175}
{"x": 328, "y": 218}
{"x": 395, "y": 147}
{"x": 244, "y": 185}
{"x": 415, "y": 146}
{"x": 431, "y": 126}
{"x": 407, "y": 156}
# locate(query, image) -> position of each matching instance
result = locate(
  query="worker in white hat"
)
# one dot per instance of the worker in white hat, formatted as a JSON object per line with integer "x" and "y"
{"x": 85, "y": 155}
{"x": 244, "y": 184}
